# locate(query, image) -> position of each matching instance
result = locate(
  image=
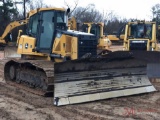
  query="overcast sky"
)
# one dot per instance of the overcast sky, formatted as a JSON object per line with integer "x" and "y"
{"x": 140, "y": 9}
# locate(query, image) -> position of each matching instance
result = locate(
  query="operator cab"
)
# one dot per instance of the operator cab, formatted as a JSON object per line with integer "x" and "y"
{"x": 141, "y": 30}
{"x": 47, "y": 36}
{"x": 43, "y": 26}
{"x": 85, "y": 28}
{"x": 95, "y": 29}
{"x": 141, "y": 35}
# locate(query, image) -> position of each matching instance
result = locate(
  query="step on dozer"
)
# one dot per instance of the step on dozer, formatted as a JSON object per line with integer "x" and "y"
{"x": 116, "y": 74}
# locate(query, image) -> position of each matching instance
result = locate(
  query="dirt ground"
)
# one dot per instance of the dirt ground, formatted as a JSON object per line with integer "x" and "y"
{"x": 17, "y": 104}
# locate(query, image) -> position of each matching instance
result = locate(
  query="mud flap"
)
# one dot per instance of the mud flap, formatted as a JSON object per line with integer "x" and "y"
{"x": 85, "y": 86}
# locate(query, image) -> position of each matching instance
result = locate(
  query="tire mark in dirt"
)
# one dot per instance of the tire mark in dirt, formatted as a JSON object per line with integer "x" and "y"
{"x": 4, "y": 115}
{"x": 21, "y": 110}
{"x": 38, "y": 102}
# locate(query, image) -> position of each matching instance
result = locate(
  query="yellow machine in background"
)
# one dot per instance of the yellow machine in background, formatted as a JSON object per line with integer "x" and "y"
{"x": 113, "y": 37}
{"x": 9, "y": 28}
{"x": 7, "y": 43}
{"x": 13, "y": 25}
{"x": 118, "y": 37}
{"x": 72, "y": 23}
{"x": 141, "y": 40}
{"x": 95, "y": 28}
{"x": 141, "y": 35}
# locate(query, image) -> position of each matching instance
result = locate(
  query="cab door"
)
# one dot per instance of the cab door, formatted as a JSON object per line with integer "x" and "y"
{"x": 46, "y": 31}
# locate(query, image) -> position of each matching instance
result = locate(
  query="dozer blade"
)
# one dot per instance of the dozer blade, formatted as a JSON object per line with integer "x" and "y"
{"x": 153, "y": 70}
{"x": 118, "y": 74}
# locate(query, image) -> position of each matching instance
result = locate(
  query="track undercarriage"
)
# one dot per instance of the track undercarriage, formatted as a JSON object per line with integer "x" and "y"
{"x": 35, "y": 73}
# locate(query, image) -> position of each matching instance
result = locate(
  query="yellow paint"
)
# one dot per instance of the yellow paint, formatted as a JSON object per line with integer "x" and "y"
{"x": 151, "y": 43}
{"x": 72, "y": 24}
{"x": 113, "y": 37}
{"x": 74, "y": 48}
{"x": 22, "y": 49}
{"x": 66, "y": 46}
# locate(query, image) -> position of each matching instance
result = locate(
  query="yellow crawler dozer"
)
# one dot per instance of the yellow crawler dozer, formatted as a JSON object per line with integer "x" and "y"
{"x": 94, "y": 28}
{"x": 97, "y": 29}
{"x": 141, "y": 35}
{"x": 65, "y": 63}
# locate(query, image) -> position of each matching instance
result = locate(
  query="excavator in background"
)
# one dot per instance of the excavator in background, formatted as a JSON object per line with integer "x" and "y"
{"x": 65, "y": 63}
{"x": 94, "y": 28}
{"x": 117, "y": 37}
{"x": 7, "y": 43}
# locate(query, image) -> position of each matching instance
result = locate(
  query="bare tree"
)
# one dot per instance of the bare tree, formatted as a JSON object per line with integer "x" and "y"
{"x": 114, "y": 26}
{"x": 87, "y": 14}
{"x": 155, "y": 10}
{"x": 35, "y": 4}
{"x": 71, "y": 7}
{"x": 91, "y": 14}
{"x": 156, "y": 13}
